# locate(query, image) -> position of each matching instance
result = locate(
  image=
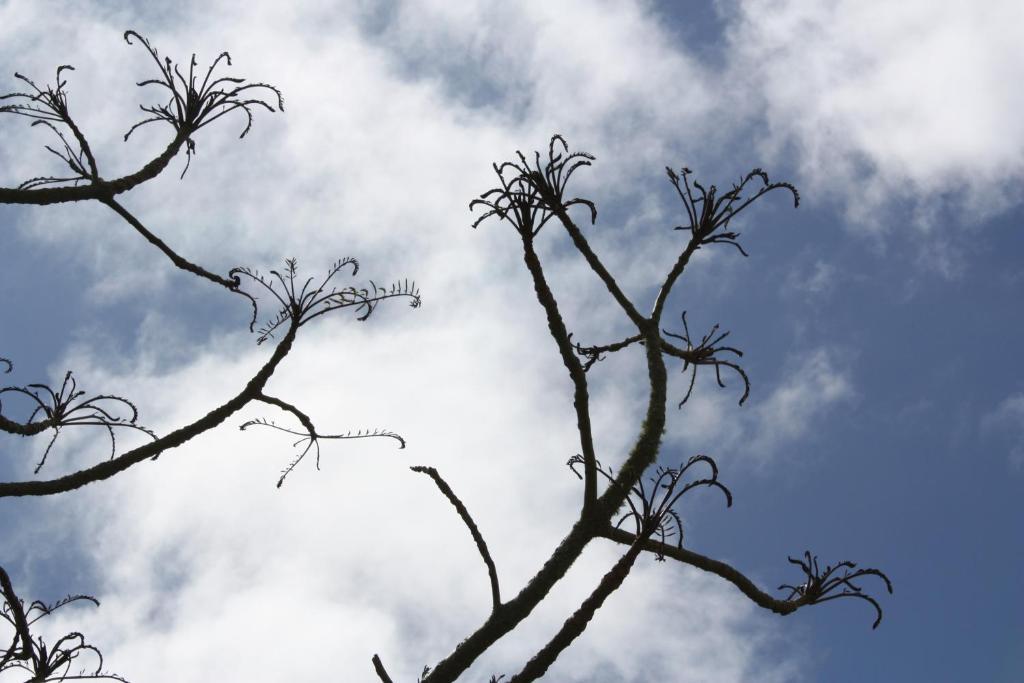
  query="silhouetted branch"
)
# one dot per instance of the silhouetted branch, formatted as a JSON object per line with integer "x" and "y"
{"x": 577, "y": 623}
{"x": 32, "y": 655}
{"x": 310, "y": 437}
{"x": 66, "y": 408}
{"x": 192, "y": 106}
{"x": 595, "y": 354}
{"x": 478, "y": 538}
{"x": 378, "y": 667}
{"x": 812, "y": 591}
{"x": 176, "y": 438}
{"x": 534, "y": 195}
{"x": 176, "y": 259}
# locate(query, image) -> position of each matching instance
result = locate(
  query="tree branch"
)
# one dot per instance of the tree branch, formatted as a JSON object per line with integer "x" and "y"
{"x": 20, "y": 623}
{"x": 175, "y": 258}
{"x": 109, "y": 468}
{"x": 478, "y": 538}
{"x": 99, "y": 189}
{"x": 708, "y": 564}
{"x": 577, "y": 373}
{"x": 577, "y": 623}
{"x": 581, "y": 244}
{"x": 378, "y": 667}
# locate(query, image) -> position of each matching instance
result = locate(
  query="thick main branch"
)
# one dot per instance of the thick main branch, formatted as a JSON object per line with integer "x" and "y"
{"x": 99, "y": 189}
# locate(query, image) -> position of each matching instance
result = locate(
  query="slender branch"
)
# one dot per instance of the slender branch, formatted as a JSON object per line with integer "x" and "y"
{"x": 20, "y": 622}
{"x": 595, "y": 354}
{"x": 577, "y": 623}
{"x": 586, "y": 528}
{"x": 673, "y": 275}
{"x": 382, "y": 674}
{"x": 176, "y": 259}
{"x": 717, "y": 567}
{"x": 577, "y": 373}
{"x": 478, "y": 538}
{"x": 176, "y": 438}
{"x": 581, "y": 244}
{"x": 289, "y": 408}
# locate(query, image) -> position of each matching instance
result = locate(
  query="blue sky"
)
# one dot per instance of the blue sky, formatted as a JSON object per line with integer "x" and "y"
{"x": 879, "y": 322}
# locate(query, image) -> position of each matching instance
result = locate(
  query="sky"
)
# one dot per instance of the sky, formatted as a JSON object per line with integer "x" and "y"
{"x": 880, "y": 323}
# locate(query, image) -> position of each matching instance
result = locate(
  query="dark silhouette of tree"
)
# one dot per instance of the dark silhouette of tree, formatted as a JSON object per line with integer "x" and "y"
{"x": 293, "y": 302}
{"x": 633, "y": 506}
{"x": 529, "y": 196}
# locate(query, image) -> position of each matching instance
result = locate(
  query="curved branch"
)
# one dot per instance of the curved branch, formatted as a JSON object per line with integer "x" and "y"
{"x": 378, "y": 667}
{"x": 99, "y": 189}
{"x": 581, "y": 244}
{"x": 176, "y": 259}
{"x": 819, "y": 586}
{"x": 577, "y": 373}
{"x": 478, "y": 538}
{"x": 727, "y": 572}
{"x": 20, "y": 623}
{"x": 577, "y": 623}
{"x": 109, "y": 468}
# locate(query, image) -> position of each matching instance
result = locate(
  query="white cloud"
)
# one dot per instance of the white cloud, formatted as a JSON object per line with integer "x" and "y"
{"x": 883, "y": 101}
{"x": 1008, "y": 418}
{"x": 810, "y": 280}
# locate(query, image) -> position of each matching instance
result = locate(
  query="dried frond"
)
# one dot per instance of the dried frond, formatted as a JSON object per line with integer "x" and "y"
{"x": 66, "y": 407}
{"x": 709, "y": 214}
{"x": 192, "y": 104}
{"x": 32, "y": 655}
{"x": 822, "y": 586}
{"x": 529, "y": 196}
{"x": 651, "y": 508}
{"x": 309, "y": 437}
{"x": 298, "y": 303}
{"x": 46, "y": 107}
{"x": 706, "y": 352}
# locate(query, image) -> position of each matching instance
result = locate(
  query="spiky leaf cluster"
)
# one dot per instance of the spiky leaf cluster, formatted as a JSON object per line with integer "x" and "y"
{"x": 707, "y": 352}
{"x": 47, "y": 106}
{"x": 710, "y": 214}
{"x": 310, "y": 439}
{"x": 529, "y": 196}
{"x": 300, "y": 304}
{"x": 66, "y": 407}
{"x": 829, "y": 584}
{"x": 31, "y": 653}
{"x": 651, "y": 505}
{"x": 192, "y": 104}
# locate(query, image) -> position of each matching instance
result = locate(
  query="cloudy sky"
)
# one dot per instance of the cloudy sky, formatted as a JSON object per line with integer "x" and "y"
{"x": 880, "y": 321}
